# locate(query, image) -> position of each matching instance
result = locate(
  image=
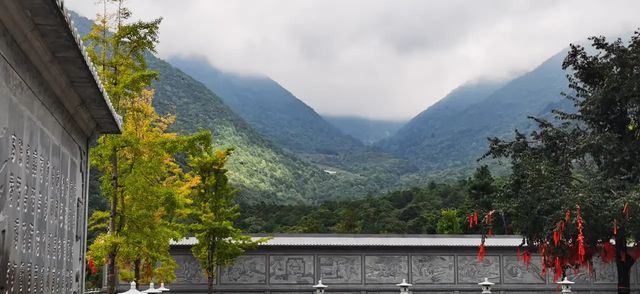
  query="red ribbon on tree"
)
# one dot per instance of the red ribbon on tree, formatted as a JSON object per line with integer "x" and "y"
{"x": 626, "y": 210}
{"x": 481, "y": 252}
{"x": 582, "y": 252}
{"x": 92, "y": 267}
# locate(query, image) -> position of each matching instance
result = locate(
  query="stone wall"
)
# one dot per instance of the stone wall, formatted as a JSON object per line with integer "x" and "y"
{"x": 43, "y": 161}
{"x": 376, "y": 270}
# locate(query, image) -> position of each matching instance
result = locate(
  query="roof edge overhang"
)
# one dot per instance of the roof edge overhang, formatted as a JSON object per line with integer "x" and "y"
{"x": 45, "y": 33}
{"x": 372, "y": 240}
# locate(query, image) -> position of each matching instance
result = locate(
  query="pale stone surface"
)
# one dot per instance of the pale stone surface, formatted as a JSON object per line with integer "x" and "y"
{"x": 341, "y": 269}
{"x": 248, "y": 269}
{"x": 470, "y": 270}
{"x": 291, "y": 269}
{"x": 516, "y": 271}
{"x": 432, "y": 269}
{"x": 386, "y": 269}
{"x": 189, "y": 270}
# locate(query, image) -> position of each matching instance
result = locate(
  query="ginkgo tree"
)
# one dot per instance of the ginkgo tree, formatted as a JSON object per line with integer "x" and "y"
{"x": 212, "y": 213}
{"x": 146, "y": 187}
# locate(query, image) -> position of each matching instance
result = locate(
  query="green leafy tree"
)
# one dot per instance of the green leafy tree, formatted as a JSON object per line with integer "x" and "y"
{"x": 573, "y": 184}
{"x": 212, "y": 214}
{"x": 449, "y": 222}
{"x": 141, "y": 178}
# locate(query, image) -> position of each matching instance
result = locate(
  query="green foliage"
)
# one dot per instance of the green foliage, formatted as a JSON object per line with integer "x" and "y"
{"x": 138, "y": 170}
{"x": 212, "y": 214}
{"x": 452, "y": 133}
{"x": 590, "y": 159}
{"x": 449, "y": 222}
{"x": 413, "y": 211}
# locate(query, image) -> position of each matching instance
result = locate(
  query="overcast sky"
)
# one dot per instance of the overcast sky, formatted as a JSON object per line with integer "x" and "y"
{"x": 385, "y": 59}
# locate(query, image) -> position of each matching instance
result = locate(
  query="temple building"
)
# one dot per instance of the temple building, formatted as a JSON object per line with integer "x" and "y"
{"x": 52, "y": 106}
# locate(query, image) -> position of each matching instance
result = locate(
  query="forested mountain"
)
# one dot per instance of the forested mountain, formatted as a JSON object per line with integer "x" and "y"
{"x": 263, "y": 171}
{"x": 453, "y": 132}
{"x": 368, "y": 131}
{"x": 269, "y": 108}
{"x": 294, "y": 126}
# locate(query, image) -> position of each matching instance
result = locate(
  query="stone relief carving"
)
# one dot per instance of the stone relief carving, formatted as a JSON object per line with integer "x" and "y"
{"x": 605, "y": 273}
{"x": 432, "y": 269}
{"x": 341, "y": 269}
{"x": 386, "y": 269}
{"x": 580, "y": 276}
{"x": 248, "y": 269}
{"x": 188, "y": 271}
{"x": 516, "y": 271}
{"x": 470, "y": 270}
{"x": 291, "y": 269}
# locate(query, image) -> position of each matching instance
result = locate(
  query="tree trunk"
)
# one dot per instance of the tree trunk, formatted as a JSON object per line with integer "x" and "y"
{"x": 136, "y": 272}
{"x": 624, "y": 262}
{"x": 210, "y": 278}
{"x": 111, "y": 263}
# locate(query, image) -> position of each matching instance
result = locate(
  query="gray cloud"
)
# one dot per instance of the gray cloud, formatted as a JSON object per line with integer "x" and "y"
{"x": 385, "y": 58}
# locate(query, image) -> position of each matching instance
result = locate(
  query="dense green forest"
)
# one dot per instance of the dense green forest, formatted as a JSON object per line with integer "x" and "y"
{"x": 436, "y": 208}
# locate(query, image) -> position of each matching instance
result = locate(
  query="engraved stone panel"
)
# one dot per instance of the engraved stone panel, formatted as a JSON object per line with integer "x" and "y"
{"x": 189, "y": 270}
{"x": 470, "y": 270}
{"x": 248, "y": 269}
{"x": 581, "y": 276}
{"x": 432, "y": 269}
{"x": 517, "y": 272}
{"x": 605, "y": 273}
{"x": 341, "y": 269}
{"x": 42, "y": 180}
{"x": 386, "y": 269}
{"x": 291, "y": 269}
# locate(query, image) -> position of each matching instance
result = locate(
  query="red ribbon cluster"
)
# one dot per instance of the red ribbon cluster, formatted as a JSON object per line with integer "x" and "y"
{"x": 92, "y": 267}
{"x": 472, "y": 219}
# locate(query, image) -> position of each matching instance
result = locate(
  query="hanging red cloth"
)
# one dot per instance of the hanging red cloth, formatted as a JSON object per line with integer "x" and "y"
{"x": 481, "y": 252}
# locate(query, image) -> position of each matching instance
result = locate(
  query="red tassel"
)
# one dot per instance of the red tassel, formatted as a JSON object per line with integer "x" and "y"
{"x": 92, "y": 267}
{"x": 526, "y": 258}
{"x": 558, "y": 268}
{"x": 615, "y": 227}
{"x": 481, "y": 252}
{"x": 626, "y": 209}
{"x": 567, "y": 216}
{"x": 581, "y": 249}
{"x": 475, "y": 218}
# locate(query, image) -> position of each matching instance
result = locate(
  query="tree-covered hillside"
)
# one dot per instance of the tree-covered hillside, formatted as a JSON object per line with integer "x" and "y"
{"x": 269, "y": 108}
{"x": 453, "y": 132}
{"x": 261, "y": 170}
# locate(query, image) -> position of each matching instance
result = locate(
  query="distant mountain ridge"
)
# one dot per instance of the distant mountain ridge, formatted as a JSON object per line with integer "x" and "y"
{"x": 453, "y": 132}
{"x": 270, "y": 109}
{"x": 368, "y": 131}
{"x": 261, "y": 170}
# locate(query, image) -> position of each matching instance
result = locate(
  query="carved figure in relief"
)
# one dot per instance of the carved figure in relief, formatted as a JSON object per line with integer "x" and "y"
{"x": 471, "y": 271}
{"x": 189, "y": 271}
{"x": 246, "y": 270}
{"x": 433, "y": 269}
{"x": 383, "y": 269}
{"x": 291, "y": 269}
{"x": 516, "y": 271}
{"x": 343, "y": 269}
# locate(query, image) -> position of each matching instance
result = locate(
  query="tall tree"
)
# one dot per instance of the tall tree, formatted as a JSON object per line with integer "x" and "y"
{"x": 141, "y": 179}
{"x": 574, "y": 183}
{"x": 212, "y": 214}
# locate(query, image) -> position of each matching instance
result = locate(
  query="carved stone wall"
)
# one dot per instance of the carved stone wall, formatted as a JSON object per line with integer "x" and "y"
{"x": 368, "y": 270}
{"x": 43, "y": 174}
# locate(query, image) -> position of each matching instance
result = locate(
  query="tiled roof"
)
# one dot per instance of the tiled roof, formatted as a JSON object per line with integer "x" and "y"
{"x": 330, "y": 240}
